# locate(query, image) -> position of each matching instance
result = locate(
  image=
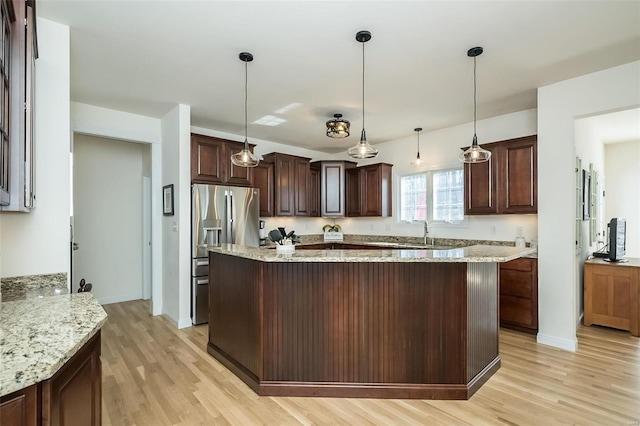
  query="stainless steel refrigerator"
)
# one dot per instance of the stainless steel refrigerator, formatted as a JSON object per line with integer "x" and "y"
{"x": 219, "y": 215}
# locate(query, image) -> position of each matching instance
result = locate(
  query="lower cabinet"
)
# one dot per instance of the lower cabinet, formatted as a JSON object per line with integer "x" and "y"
{"x": 72, "y": 397}
{"x": 519, "y": 295}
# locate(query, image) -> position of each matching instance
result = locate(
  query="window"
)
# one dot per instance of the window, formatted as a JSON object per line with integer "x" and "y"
{"x": 5, "y": 71}
{"x": 435, "y": 195}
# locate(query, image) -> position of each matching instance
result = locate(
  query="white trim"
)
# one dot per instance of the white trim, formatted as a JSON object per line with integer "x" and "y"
{"x": 120, "y": 298}
{"x": 185, "y": 322}
{"x": 579, "y": 322}
{"x": 558, "y": 342}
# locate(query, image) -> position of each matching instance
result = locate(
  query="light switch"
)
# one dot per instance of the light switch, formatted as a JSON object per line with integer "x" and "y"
{"x": 174, "y": 226}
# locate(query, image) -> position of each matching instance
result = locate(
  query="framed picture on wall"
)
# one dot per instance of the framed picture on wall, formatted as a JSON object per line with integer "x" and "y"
{"x": 167, "y": 200}
{"x": 586, "y": 195}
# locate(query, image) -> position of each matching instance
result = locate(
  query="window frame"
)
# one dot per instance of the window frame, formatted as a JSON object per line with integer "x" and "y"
{"x": 464, "y": 223}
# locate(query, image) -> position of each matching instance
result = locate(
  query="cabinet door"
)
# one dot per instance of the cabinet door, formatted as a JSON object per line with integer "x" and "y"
{"x": 237, "y": 176}
{"x": 333, "y": 185}
{"x": 519, "y": 295}
{"x": 376, "y": 190}
{"x": 301, "y": 187}
{"x": 262, "y": 178}
{"x": 518, "y": 190}
{"x": 73, "y": 396}
{"x": 20, "y": 408}
{"x": 353, "y": 196}
{"x": 314, "y": 191}
{"x": 207, "y": 160}
{"x": 284, "y": 182}
{"x": 480, "y": 186}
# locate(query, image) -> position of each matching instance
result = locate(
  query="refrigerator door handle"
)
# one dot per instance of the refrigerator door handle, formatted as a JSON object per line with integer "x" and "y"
{"x": 232, "y": 236}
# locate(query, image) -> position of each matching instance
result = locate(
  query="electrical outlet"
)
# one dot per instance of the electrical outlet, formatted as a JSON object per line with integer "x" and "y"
{"x": 520, "y": 231}
{"x": 493, "y": 230}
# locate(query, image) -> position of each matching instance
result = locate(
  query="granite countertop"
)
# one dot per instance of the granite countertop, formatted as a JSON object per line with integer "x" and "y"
{"x": 32, "y": 286}
{"x": 476, "y": 253}
{"x": 37, "y": 336}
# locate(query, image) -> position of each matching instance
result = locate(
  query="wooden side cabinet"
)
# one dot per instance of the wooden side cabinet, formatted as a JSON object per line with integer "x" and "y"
{"x": 314, "y": 189}
{"x": 519, "y": 295}
{"x": 612, "y": 294}
{"x": 507, "y": 183}
{"x": 262, "y": 178}
{"x": 211, "y": 162}
{"x": 369, "y": 190}
{"x": 72, "y": 397}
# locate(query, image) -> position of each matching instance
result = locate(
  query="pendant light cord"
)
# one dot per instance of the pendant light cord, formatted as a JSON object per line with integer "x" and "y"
{"x": 246, "y": 79}
{"x": 474, "y": 98}
{"x": 418, "y": 144}
{"x": 363, "y": 85}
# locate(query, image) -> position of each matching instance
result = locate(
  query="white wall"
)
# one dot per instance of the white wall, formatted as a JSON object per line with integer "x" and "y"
{"x": 176, "y": 230}
{"x": 107, "y": 216}
{"x": 439, "y": 149}
{"x": 559, "y": 105}
{"x": 622, "y": 168}
{"x": 38, "y": 242}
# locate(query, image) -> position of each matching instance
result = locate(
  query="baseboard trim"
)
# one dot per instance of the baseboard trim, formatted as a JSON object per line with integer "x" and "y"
{"x": 184, "y": 323}
{"x": 558, "y": 342}
{"x": 119, "y": 298}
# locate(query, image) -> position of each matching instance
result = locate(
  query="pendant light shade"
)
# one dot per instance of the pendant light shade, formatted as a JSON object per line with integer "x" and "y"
{"x": 418, "y": 160}
{"x": 245, "y": 158}
{"x": 362, "y": 149}
{"x": 338, "y": 128}
{"x": 474, "y": 154}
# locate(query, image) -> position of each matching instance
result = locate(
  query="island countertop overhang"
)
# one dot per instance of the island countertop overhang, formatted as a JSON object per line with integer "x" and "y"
{"x": 475, "y": 253}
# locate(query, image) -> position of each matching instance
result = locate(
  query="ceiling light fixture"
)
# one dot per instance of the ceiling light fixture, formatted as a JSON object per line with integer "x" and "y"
{"x": 418, "y": 160}
{"x": 475, "y": 154}
{"x": 245, "y": 158}
{"x": 362, "y": 149}
{"x": 338, "y": 128}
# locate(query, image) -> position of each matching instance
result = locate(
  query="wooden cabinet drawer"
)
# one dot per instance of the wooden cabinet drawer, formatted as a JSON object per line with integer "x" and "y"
{"x": 523, "y": 264}
{"x": 517, "y": 310}
{"x": 516, "y": 283}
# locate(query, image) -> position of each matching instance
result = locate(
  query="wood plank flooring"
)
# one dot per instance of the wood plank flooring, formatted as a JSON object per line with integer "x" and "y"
{"x": 154, "y": 374}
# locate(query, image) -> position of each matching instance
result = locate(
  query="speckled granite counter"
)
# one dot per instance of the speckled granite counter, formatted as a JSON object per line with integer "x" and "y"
{"x": 37, "y": 336}
{"x": 478, "y": 253}
{"x": 32, "y": 286}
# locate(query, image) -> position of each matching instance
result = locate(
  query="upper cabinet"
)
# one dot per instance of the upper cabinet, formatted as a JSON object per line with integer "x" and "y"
{"x": 18, "y": 54}
{"x": 505, "y": 184}
{"x": 211, "y": 162}
{"x": 263, "y": 180}
{"x": 328, "y": 190}
{"x": 291, "y": 182}
{"x": 369, "y": 190}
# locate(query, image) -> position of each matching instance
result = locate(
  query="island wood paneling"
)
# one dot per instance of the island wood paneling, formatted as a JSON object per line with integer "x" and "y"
{"x": 377, "y": 329}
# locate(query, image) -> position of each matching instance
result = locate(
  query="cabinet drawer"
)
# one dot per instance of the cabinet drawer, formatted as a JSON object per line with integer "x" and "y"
{"x": 522, "y": 264}
{"x": 516, "y": 283}
{"x": 517, "y": 310}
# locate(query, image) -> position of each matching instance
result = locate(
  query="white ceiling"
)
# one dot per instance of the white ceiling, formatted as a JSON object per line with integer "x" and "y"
{"x": 615, "y": 127}
{"x": 145, "y": 57}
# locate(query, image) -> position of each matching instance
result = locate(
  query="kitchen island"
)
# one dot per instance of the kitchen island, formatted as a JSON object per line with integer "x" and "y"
{"x": 50, "y": 356}
{"x": 379, "y": 322}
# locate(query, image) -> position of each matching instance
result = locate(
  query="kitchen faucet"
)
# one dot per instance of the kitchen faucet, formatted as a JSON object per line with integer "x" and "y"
{"x": 426, "y": 233}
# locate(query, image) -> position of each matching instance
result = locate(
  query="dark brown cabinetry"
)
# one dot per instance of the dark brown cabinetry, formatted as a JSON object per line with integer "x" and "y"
{"x": 331, "y": 197}
{"x": 211, "y": 162}
{"x": 73, "y": 396}
{"x": 519, "y": 295}
{"x": 369, "y": 190}
{"x": 291, "y": 179}
{"x": 505, "y": 184}
{"x": 314, "y": 189}
{"x": 262, "y": 178}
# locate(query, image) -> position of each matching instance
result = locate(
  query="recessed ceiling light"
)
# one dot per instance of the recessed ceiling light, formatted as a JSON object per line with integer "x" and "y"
{"x": 288, "y": 108}
{"x": 269, "y": 120}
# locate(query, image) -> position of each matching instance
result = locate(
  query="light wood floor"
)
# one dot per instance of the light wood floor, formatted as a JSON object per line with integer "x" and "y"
{"x": 154, "y": 374}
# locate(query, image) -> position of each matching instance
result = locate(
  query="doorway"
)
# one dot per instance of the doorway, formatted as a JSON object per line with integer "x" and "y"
{"x": 111, "y": 196}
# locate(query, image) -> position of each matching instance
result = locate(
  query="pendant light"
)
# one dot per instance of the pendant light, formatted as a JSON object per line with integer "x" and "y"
{"x": 338, "y": 128}
{"x": 418, "y": 160}
{"x": 363, "y": 149}
{"x": 475, "y": 154}
{"x": 245, "y": 158}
